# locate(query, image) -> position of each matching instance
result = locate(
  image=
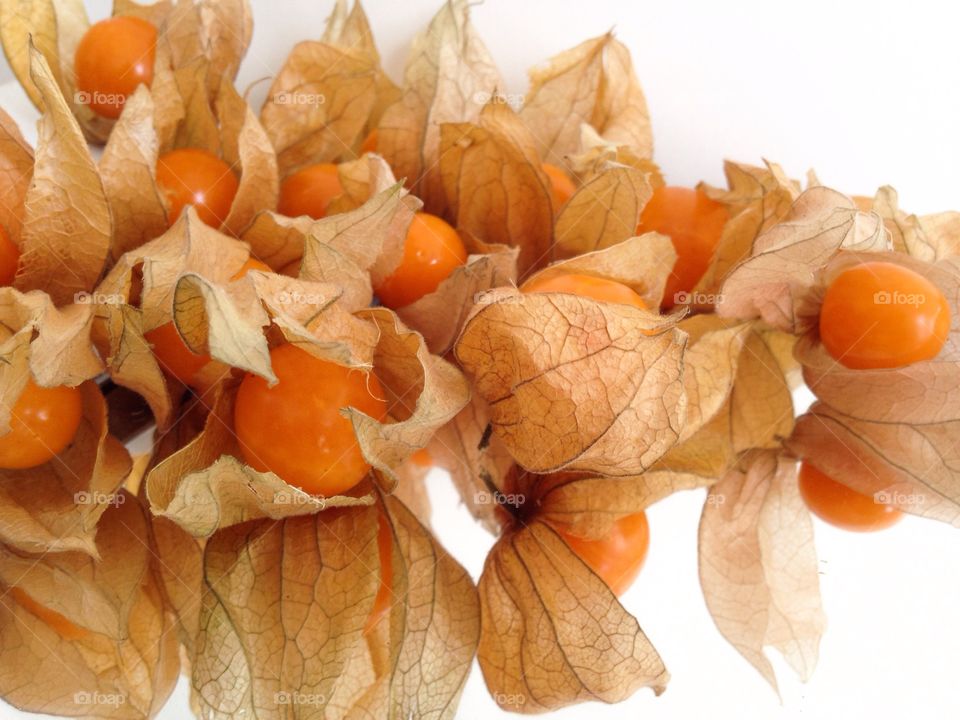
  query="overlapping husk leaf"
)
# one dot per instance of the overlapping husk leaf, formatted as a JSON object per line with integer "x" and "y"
{"x": 217, "y": 32}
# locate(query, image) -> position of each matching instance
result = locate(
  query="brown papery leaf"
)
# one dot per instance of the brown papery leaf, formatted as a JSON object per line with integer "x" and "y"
{"x": 66, "y": 234}
{"x": 180, "y": 570}
{"x": 432, "y": 629}
{"x": 552, "y": 633}
{"x": 775, "y": 281}
{"x": 593, "y": 83}
{"x": 577, "y": 384}
{"x": 448, "y": 78}
{"x": 494, "y": 185}
{"x": 202, "y": 487}
{"x": 320, "y": 103}
{"x": 911, "y": 466}
{"x": 89, "y": 638}
{"x": 16, "y": 170}
{"x": 758, "y": 565}
{"x": 128, "y": 168}
{"x": 477, "y": 460}
{"x": 424, "y": 392}
{"x": 298, "y": 591}
{"x": 757, "y": 198}
{"x": 439, "y": 316}
{"x": 597, "y": 153}
{"x": 20, "y": 24}
{"x": 226, "y": 29}
{"x": 920, "y": 393}
{"x": 641, "y": 263}
{"x": 603, "y": 212}
{"x": 55, "y": 506}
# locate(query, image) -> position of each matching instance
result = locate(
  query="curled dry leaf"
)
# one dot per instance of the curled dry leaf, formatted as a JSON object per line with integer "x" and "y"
{"x": 775, "y": 281}
{"x": 757, "y": 199}
{"x": 202, "y": 487}
{"x": 758, "y": 565}
{"x": 56, "y": 506}
{"x": 494, "y": 186}
{"x": 448, "y": 78}
{"x": 65, "y": 239}
{"x": 577, "y": 384}
{"x": 478, "y": 461}
{"x": 431, "y": 632}
{"x": 16, "y": 171}
{"x": 596, "y": 154}
{"x": 113, "y": 638}
{"x": 593, "y": 83}
{"x": 603, "y": 211}
{"x": 424, "y": 393}
{"x": 552, "y": 633}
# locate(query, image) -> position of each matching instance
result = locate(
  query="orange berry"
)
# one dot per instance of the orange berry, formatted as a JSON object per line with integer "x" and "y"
{"x": 173, "y": 355}
{"x": 694, "y": 223}
{"x": 842, "y": 506}
{"x": 432, "y": 250}
{"x": 113, "y": 57}
{"x": 619, "y": 557}
{"x": 561, "y": 186}
{"x": 369, "y": 144}
{"x": 883, "y": 315}
{"x": 251, "y": 264}
{"x": 309, "y": 191}
{"x": 587, "y": 286}
{"x": 191, "y": 176}
{"x": 295, "y": 428}
{"x": 43, "y": 422}
{"x": 9, "y": 258}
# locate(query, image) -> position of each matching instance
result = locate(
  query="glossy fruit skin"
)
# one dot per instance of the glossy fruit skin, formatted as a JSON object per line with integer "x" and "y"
{"x": 9, "y": 259}
{"x": 113, "y": 58}
{"x": 842, "y": 506}
{"x": 173, "y": 355}
{"x": 251, "y": 264}
{"x": 295, "y": 428}
{"x": 384, "y": 599}
{"x": 587, "y": 286}
{"x": 619, "y": 557}
{"x": 694, "y": 223}
{"x": 561, "y": 186}
{"x": 309, "y": 191}
{"x": 57, "y": 622}
{"x": 432, "y": 250}
{"x": 190, "y": 176}
{"x": 369, "y": 144}
{"x": 44, "y": 422}
{"x": 883, "y": 315}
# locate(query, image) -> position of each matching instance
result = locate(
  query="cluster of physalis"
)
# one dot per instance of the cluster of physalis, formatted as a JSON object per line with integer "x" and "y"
{"x": 529, "y": 307}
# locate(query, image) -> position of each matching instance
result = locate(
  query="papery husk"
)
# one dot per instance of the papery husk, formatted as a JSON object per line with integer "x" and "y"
{"x": 758, "y": 565}
{"x": 110, "y": 650}
{"x": 16, "y": 171}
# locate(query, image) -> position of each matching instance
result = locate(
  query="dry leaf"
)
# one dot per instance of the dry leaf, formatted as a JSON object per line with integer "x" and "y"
{"x": 66, "y": 233}
{"x": 16, "y": 171}
{"x": 603, "y": 211}
{"x": 758, "y": 565}
{"x": 593, "y": 83}
{"x": 576, "y": 384}
{"x": 776, "y": 279}
{"x": 111, "y": 653}
{"x": 552, "y": 633}
{"x": 495, "y": 188}
{"x": 449, "y": 77}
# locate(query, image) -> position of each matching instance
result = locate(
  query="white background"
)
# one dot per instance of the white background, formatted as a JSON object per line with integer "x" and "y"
{"x": 867, "y": 94}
